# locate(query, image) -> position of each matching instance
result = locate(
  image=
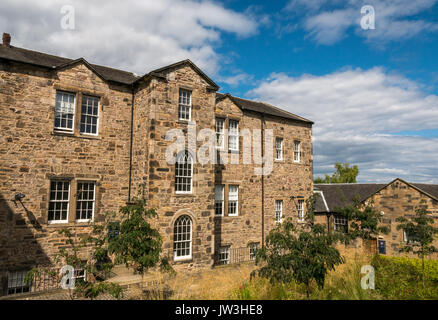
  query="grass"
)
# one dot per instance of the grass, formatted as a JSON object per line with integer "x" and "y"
{"x": 395, "y": 278}
{"x": 340, "y": 284}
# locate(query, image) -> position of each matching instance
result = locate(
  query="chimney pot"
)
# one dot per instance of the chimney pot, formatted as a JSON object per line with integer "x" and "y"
{"x": 6, "y": 39}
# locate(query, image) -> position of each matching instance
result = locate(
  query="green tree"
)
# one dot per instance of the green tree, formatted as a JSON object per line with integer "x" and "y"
{"x": 364, "y": 221}
{"x": 343, "y": 174}
{"x": 420, "y": 234}
{"x": 138, "y": 245}
{"x": 97, "y": 266}
{"x": 303, "y": 252}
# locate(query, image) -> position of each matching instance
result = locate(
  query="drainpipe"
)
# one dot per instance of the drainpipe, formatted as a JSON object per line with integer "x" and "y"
{"x": 130, "y": 144}
{"x": 263, "y": 179}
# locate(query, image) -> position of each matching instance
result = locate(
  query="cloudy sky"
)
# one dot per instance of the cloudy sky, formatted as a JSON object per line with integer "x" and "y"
{"x": 373, "y": 94}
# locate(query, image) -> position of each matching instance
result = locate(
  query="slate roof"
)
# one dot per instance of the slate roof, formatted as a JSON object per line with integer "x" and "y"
{"x": 341, "y": 194}
{"x": 110, "y": 74}
{"x": 54, "y": 62}
{"x": 261, "y": 107}
{"x": 431, "y": 189}
{"x": 128, "y": 78}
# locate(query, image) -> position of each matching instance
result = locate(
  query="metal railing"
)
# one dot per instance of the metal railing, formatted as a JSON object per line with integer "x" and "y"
{"x": 233, "y": 255}
{"x": 41, "y": 282}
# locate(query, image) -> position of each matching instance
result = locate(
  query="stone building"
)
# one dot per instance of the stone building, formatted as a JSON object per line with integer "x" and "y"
{"x": 392, "y": 200}
{"x": 78, "y": 139}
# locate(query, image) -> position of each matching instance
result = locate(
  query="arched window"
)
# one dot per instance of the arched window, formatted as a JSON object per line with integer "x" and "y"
{"x": 182, "y": 238}
{"x": 184, "y": 173}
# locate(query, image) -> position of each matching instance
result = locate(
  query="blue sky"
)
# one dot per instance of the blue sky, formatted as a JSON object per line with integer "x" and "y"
{"x": 373, "y": 94}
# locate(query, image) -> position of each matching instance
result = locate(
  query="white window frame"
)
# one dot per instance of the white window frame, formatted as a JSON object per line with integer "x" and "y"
{"x": 278, "y": 148}
{"x": 341, "y": 225}
{"x": 278, "y": 211}
{"x": 297, "y": 151}
{"x": 220, "y": 132}
{"x": 300, "y": 210}
{"x": 184, "y": 105}
{"x": 188, "y": 157}
{"x": 16, "y": 281}
{"x": 87, "y": 200}
{"x": 62, "y": 105}
{"x": 233, "y": 133}
{"x": 90, "y": 115}
{"x": 406, "y": 238}
{"x": 219, "y": 197}
{"x": 56, "y": 201}
{"x": 233, "y": 197}
{"x": 189, "y": 240}
{"x": 224, "y": 252}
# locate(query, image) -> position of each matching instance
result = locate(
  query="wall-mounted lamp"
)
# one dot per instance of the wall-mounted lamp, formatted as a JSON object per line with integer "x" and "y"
{"x": 18, "y": 197}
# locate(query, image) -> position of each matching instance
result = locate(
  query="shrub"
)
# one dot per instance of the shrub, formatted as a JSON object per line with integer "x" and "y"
{"x": 400, "y": 278}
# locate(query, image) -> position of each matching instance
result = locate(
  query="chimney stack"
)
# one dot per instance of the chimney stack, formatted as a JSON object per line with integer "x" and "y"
{"x": 6, "y": 39}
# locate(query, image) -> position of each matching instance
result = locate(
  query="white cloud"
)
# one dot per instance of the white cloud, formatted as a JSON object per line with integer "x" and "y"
{"x": 355, "y": 113}
{"x": 132, "y": 35}
{"x": 328, "y": 22}
{"x": 236, "y": 79}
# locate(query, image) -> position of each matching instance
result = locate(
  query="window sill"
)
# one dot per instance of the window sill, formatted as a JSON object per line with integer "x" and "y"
{"x": 73, "y": 135}
{"x": 63, "y": 133}
{"x": 89, "y": 136}
{"x": 233, "y": 151}
{"x": 69, "y": 224}
{"x": 183, "y": 260}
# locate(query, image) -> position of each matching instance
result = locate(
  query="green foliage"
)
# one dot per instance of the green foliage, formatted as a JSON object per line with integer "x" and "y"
{"x": 138, "y": 245}
{"x": 92, "y": 290}
{"x": 400, "y": 278}
{"x": 364, "y": 221}
{"x": 97, "y": 267}
{"x": 343, "y": 174}
{"x": 302, "y": 252}
{"x": 421, "y": 227}
{"x": 341, "y": 284}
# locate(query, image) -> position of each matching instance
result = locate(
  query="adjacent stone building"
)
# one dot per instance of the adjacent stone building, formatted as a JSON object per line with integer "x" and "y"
{"x": 392, "y": 200}
{"x": 79, "y": 140}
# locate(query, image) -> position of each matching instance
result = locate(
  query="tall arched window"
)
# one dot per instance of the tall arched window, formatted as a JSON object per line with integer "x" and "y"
{"x": 184, "y": 173}
{"x": 182, "y": 238}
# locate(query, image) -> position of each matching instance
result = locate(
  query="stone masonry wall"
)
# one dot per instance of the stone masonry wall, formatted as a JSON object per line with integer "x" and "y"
{"x": 32, "y": 154}
{"x": 286, "y": 180}
{"x": 399, "y": 199}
